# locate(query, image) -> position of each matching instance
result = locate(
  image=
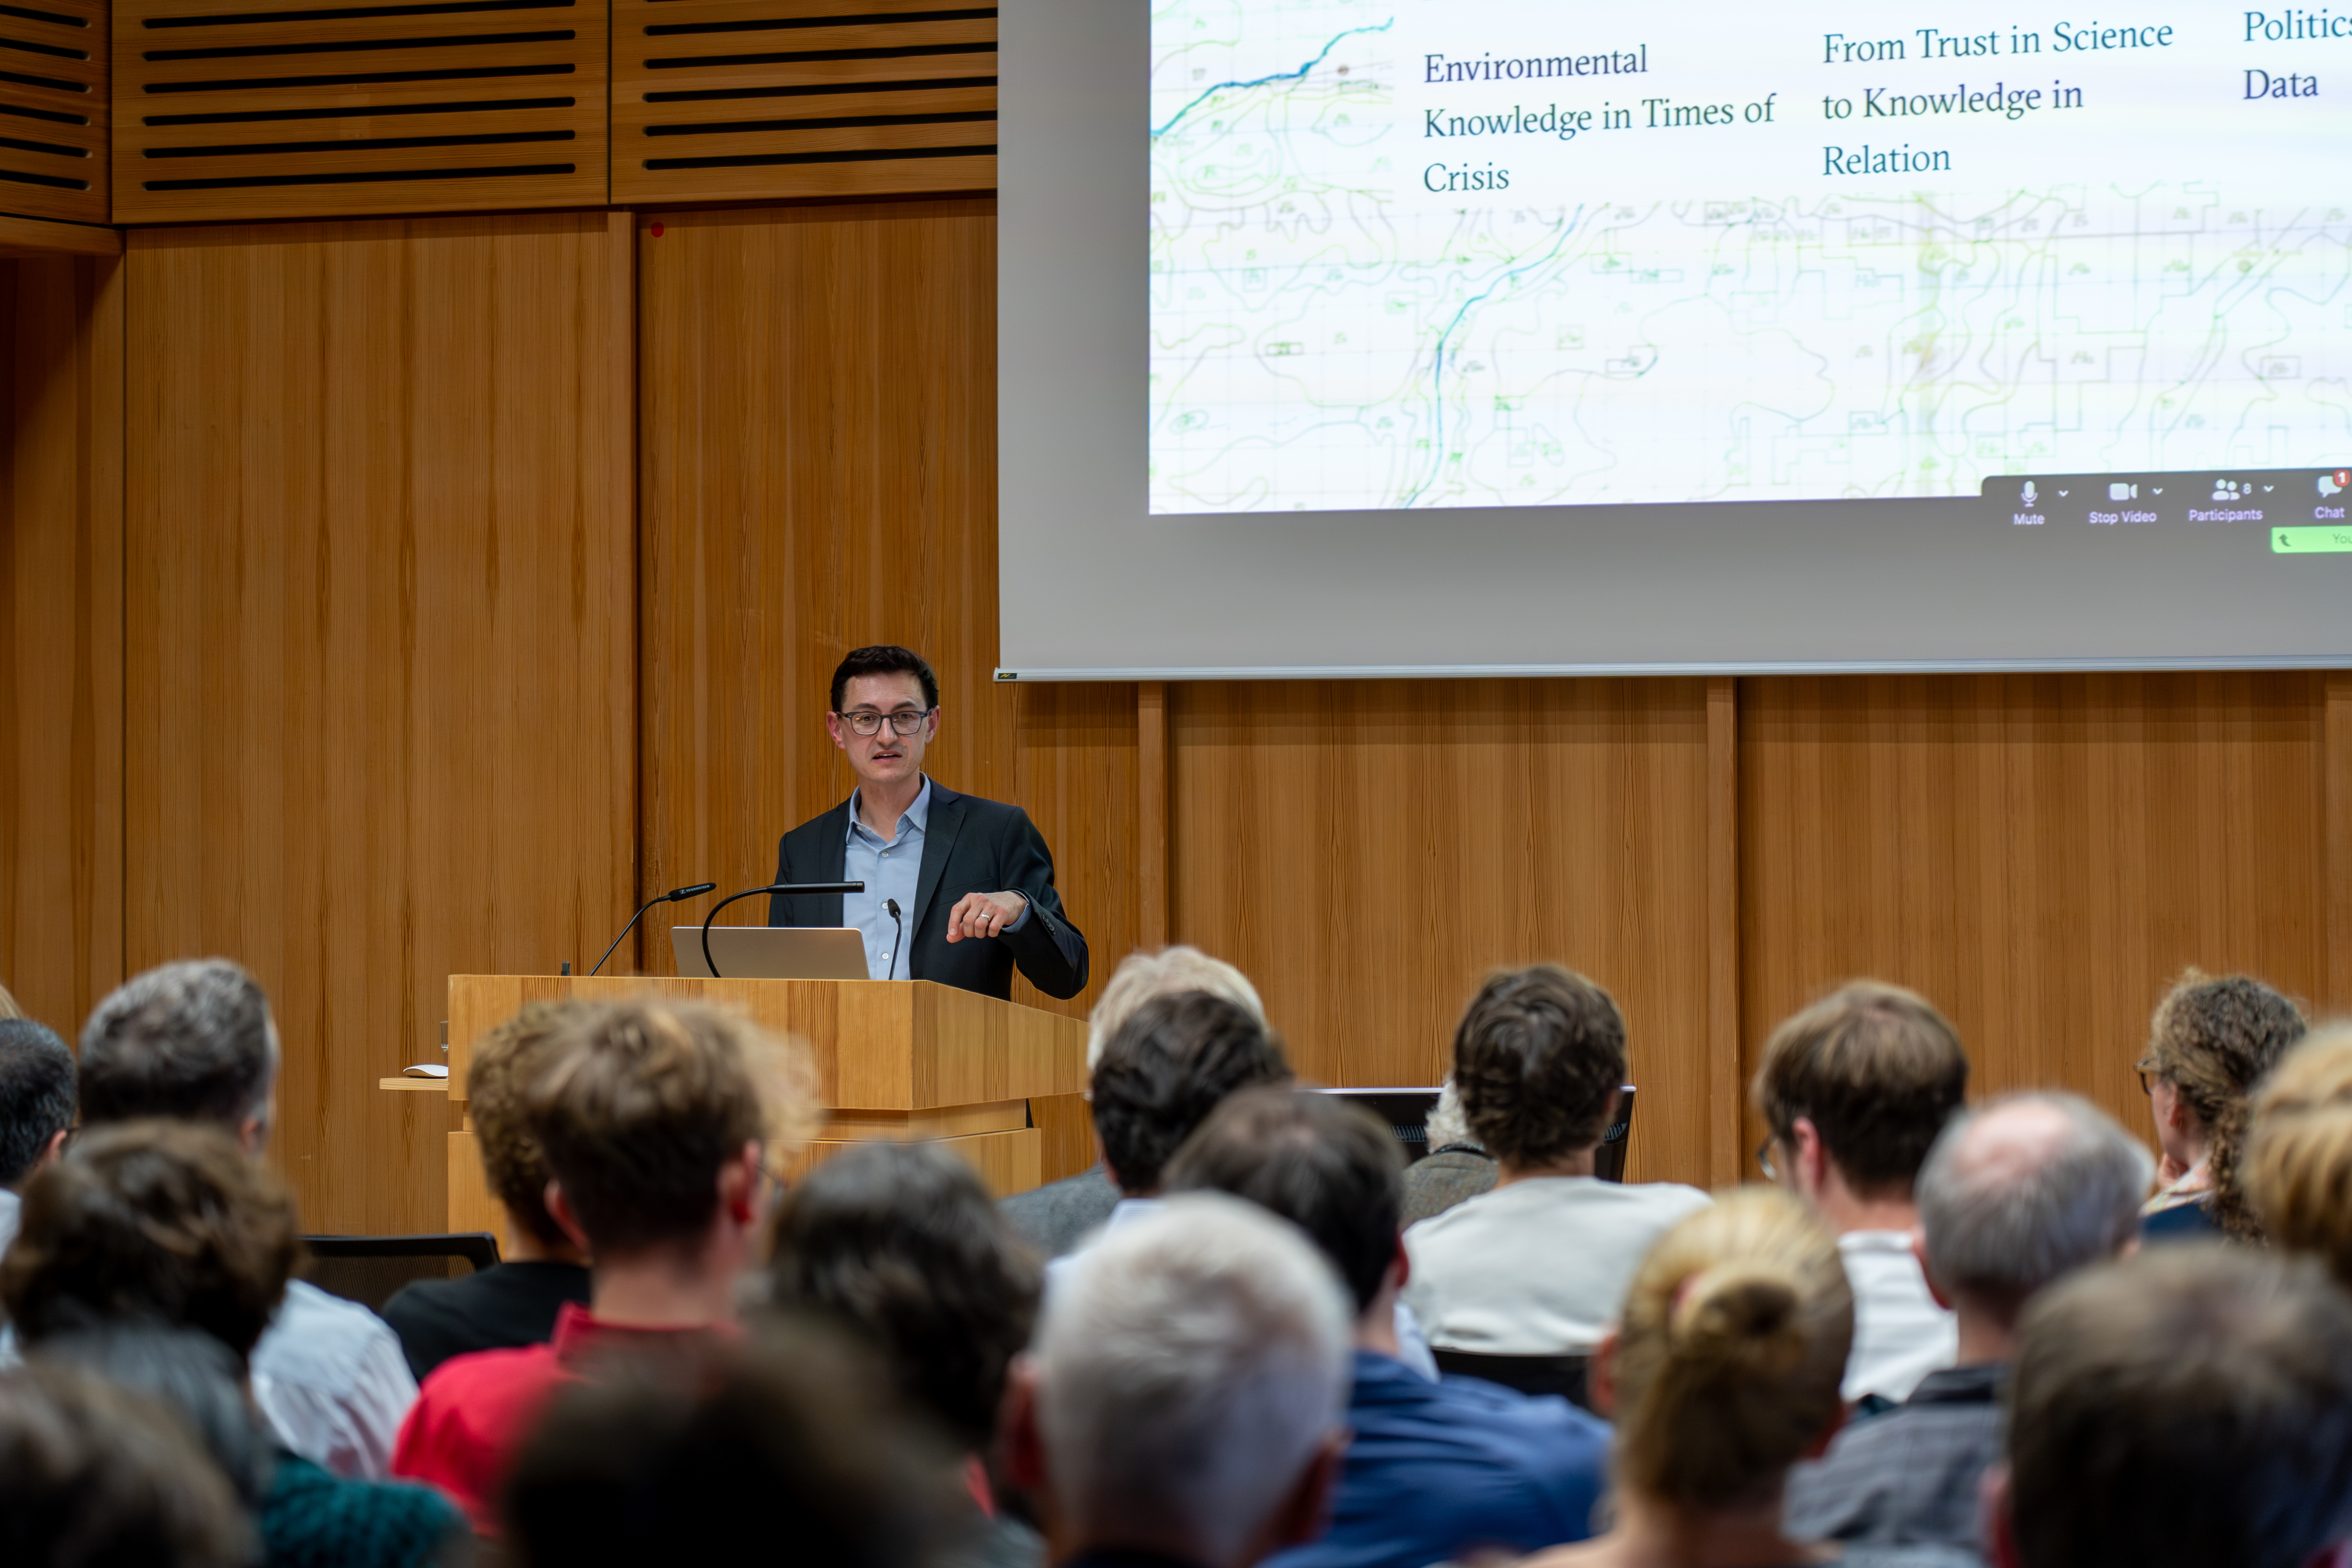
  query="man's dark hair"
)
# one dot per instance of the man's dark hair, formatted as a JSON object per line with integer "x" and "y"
{"x": 1329, "y": 1166}
{"x": 92, "y": 1476}
{"x": 2189, "y": 1406}
{"x": 155, "y": 1222}
{"x": 1539, "y": 1059}
{"x": 902, "y": 1242}
{"x": 884, "y": 659}
{"x": 188, "y": 1040}
{"x": 187, "y": 1371}
{"x": 791, "y": 1439}
{"x": 639, "y": 1105}
{"x": 1173, "y": 1062}
{"x": 1877, "y": 1071}
{"x": 36, "y": 1094}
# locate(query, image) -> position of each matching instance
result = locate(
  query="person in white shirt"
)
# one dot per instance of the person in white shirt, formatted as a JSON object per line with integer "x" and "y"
{"x": 1855, "y": 1089}
{"x": 193, "y": 1041}
{"x": 1540, "y": 1265}
{"x": 36, "y": 1108}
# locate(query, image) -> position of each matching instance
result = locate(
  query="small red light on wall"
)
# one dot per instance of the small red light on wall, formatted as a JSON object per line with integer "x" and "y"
{"x": 656, "y": 231}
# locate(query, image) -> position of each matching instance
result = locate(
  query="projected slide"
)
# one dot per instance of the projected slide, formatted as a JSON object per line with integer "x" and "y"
{"x": 1456, "y": 253}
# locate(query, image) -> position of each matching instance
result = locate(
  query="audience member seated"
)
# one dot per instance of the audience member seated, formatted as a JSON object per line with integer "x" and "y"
{"x": 2298, "y": 1170}
{"x": 1723, "y": 1375}
{"x": 195, "y": 1041}
{"x": 2209, "y": 1043}
{"x": 514, "y": 1301}
{"x": 1174, "y": 1060}
{"x": 1058, "y": 1216}
{"x": 1183, "y": 1407}
{"x": 1458, "y": 1165}
{"x": 171, "y": 1226}
{"x": 2013, "y": 1197}
{"x": 2187, "y": 1408}
{"x": 652, "y": 1118}
{"x": 1540, "y": 1265}
{"x": 1855, "y": 1089}
{"x": 901, "y": 1242}
{"x": 36, "y": 1108}
{"x": 92, "y": 1477}
{"x": 787, "y": 1450}
{"x": 1434, "y": 1467}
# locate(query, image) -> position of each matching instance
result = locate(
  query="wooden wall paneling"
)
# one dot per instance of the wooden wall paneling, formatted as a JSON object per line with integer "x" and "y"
{"x": 2039, "y": 855}
{"x": 381, "y": 676}
{"x": 61, "y": 636}
{"x": 1152, "y": 813}
{"x": 2336, "y": 783}
{"x": 1369, "y": 851}
{"x": 818, "y": 412}
{"x": 1726, "y": 1127}
{"x": 352, "y": 109}
{"x": 53, "y": 109}
{"x": 1079, "y": 774}
{"x": 763, "y": 99}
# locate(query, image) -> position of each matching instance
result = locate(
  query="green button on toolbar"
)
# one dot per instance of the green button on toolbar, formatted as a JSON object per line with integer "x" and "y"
{"x": 2310, "y": 540}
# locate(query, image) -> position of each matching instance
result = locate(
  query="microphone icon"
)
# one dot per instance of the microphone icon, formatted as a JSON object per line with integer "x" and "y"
{"x": 2026, "y": 495}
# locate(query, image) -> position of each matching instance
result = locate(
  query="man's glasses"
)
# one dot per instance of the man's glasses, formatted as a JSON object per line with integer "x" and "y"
{"x": 1764, "y": 1158}
{"x": 866, "y": 721}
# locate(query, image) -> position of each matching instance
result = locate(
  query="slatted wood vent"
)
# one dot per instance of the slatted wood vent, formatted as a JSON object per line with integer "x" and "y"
{"x": 53, "y": 109}
{"x": 762, "y": 100}
{"x": 436, "y": 105}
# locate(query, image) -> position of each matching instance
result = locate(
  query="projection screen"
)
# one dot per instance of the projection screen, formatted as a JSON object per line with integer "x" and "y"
{"x": 1375, "y": 337}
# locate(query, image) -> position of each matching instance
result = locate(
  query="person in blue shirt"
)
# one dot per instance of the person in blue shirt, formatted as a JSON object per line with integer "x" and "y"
{"x": 1438, "y": 1469}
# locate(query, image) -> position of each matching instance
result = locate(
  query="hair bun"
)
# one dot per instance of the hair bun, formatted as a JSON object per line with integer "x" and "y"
{"x": 1740, "y": 1318}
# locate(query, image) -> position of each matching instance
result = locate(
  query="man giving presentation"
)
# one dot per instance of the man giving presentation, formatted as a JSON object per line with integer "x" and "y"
{"x": 972, "y": 881}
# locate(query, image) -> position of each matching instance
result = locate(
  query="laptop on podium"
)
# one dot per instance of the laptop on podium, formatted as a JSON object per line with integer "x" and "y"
{"x": 772, "y": 952}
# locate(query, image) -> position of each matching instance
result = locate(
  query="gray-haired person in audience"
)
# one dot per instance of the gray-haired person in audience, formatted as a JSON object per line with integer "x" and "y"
{"x": 1457, "y": 1166}
{"x": 2013, "y": 1197}
{"x": 2186, "y": 1408}
{"x": 1055, "y": 1217}
{"x": 36, "y": 1108}
{"x": 1184, "y": 1404}
{"x": 194, "y": 1042}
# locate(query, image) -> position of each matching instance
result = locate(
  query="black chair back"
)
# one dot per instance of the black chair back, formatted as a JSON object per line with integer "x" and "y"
{"x": 1406, "y": 1111}
{"x": 1566, "y": 1376}
{"x": 369, "y": 1268}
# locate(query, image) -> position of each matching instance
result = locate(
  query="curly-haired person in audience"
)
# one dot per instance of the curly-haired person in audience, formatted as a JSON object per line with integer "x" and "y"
{"x": 91, "y": 1474}
{"x": 1538, "y": 1265}
{"x": 2298, "y": 1165}
{"x": 1723, "y": 1374}
{"x": 2187, "y": 1408}
{"x": 1060, "y": 1214}
{"x": 159, "y": 1226}
{"x": 655, "y": 1119}
{"x": 1855, "y": 1089}
{"x": 539, "y": 1269}
{"x": 1183, "y": 1407}
{"x": 2208, "y": 1046}
{"x": 36, "y": 1108}
{"x": 1434, "y": 1466}
{"x": 901, "y": 1243}
{"x": 195, "y": 1041}
{"x": 2014, "y": 1196}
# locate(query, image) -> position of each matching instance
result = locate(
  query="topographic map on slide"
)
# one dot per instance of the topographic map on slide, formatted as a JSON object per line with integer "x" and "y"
{"x": 1447, "y": 253}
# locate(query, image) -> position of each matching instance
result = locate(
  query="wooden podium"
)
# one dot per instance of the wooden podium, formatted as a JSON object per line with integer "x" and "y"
{"x": 997, "y": 1082}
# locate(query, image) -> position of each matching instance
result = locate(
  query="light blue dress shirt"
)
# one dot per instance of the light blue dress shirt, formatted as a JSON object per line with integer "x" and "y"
{"x": 890, "y": 868}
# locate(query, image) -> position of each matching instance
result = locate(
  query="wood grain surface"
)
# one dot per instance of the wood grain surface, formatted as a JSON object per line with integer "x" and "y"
{"x": 61, "y": 636}
{"x": 54, "y": 107}
{"x": 380, "y": 663}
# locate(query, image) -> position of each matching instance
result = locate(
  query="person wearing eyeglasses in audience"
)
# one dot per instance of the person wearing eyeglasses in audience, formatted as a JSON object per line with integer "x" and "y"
{"x": 971, "y": 879}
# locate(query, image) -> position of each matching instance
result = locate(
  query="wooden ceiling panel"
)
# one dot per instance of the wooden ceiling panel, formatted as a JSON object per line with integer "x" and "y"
{"x": 53, "y": 109}
{"x": 770, "y": 100}
{"x": 437, "y": 106}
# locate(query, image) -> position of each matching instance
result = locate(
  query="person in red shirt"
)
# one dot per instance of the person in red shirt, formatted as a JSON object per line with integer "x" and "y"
{"x": 654, "y": 1119}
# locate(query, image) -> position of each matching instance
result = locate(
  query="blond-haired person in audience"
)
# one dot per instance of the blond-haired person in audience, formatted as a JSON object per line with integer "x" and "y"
{"x": 2208, "y": 1046}
{"x": 1055, "y": 1217}
{"x": 2299, "y": 1166}
{"x": 1724, "y": 1373}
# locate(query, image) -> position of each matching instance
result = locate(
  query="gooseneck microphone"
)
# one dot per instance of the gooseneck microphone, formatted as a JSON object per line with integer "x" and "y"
{"x": 673, "y": 896}
{"x": 788, "y": 889}
{"x": 898, "y": 932}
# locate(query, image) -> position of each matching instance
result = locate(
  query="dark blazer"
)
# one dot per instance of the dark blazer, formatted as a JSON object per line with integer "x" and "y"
{"x": 970, "y": 846}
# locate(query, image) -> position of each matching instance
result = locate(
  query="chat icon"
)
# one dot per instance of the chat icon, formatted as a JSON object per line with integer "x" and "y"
{"x": 2332, "y": 484}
